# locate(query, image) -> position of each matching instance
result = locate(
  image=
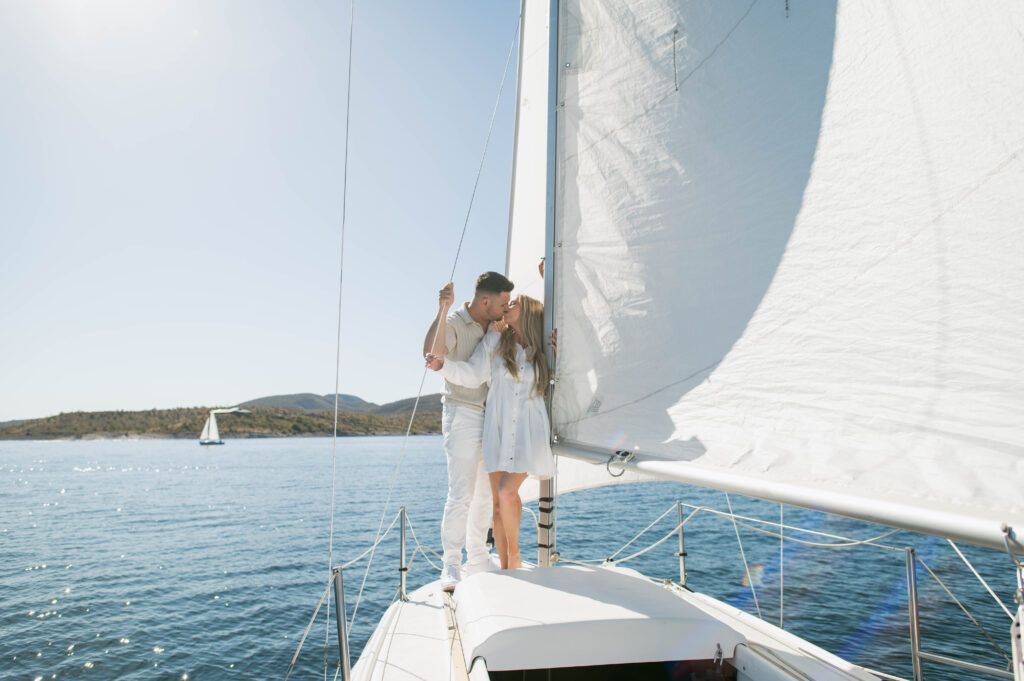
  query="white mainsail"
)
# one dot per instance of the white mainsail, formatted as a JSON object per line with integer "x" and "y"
{"x": 210, "y": 432}
{"x": 788, "y": 251}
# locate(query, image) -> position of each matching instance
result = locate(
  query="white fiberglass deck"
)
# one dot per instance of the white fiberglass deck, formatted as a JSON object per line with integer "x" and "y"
{"x": 574, "y": 616}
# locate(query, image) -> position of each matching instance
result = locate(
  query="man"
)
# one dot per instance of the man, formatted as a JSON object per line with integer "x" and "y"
{"x": 467, "y": 510}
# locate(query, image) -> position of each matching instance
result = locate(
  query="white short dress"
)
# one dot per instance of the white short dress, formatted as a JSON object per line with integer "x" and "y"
{"x": 516, "y": 427}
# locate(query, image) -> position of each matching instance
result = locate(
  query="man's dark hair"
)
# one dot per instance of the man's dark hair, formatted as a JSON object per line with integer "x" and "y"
{"x": 492, "y": 282}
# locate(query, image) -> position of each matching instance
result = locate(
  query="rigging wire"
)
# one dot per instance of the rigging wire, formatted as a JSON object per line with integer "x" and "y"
{"x": 309, "y": 626}
{"x": 955, "y": 600}
{"x": 983, "y": 582}
{"x": 337, "y": 355}
{"x": 782, "y": 556}
{"x": 743, "y": 555}
{"x": 419, "y": 393}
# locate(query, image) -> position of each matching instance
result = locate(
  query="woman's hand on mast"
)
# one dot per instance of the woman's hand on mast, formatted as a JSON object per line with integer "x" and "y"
{"x": 434, "y": 363}
{"x": 553, "y": 340}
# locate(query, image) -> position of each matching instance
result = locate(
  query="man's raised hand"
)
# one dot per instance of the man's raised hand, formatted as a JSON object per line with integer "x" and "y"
{"x": 446, "y": 296}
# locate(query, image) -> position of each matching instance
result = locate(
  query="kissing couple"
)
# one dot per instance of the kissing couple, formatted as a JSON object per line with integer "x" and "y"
{"x": 494, "y": 421}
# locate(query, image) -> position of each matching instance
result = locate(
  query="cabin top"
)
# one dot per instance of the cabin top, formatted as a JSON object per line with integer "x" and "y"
{"x": 573, "y": 616}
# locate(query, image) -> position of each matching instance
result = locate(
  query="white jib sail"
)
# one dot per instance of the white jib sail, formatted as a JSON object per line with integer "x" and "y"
{"x": 528, "y": 211}
{"x": 790, "y": 249}
{"x": 528, "y": 201}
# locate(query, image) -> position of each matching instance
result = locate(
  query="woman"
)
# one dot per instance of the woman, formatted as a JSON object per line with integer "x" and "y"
{"x": 516, "y": 428}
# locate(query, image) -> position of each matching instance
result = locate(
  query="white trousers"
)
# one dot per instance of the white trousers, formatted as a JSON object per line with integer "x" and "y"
{"x": 467, "y": 511}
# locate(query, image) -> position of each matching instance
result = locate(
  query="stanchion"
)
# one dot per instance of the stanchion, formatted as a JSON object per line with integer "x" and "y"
{"x": 682, "y": 549}
{"x": 915, "y": 637}
{"x": 339, "y": 609}
{"x": 403, "y": 569}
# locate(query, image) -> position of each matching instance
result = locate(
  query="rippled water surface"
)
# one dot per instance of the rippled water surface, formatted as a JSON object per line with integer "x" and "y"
{"x": 162, "y": 559}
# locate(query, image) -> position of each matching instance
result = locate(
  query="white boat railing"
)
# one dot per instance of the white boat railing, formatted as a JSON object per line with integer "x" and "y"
{"x": 336, "y": 581}
{"x": 775, "y": 529}
{"x": 917, "y": 654}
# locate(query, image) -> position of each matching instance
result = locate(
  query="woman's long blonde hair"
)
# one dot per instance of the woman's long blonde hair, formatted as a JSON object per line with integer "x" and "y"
{"x": 531, "y": 317}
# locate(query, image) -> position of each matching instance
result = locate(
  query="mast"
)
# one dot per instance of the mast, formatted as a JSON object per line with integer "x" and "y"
{"x": 548, "y": 488}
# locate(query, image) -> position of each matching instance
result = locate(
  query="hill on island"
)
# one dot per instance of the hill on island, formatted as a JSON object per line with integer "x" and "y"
{"x": 305, "y": 414}
{"x": 429, "y": 404}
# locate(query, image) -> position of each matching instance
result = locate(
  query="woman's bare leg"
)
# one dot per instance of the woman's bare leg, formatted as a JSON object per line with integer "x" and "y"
{"x": 511, "y": 509}
{"x": 496, "y": 525}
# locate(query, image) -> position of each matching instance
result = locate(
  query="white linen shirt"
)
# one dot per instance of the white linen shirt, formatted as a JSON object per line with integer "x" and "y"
{"x": 516, "y": 428}
{"x": 462, "y": 335}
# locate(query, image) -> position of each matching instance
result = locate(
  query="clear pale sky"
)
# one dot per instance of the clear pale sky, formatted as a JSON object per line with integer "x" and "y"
{"x": 171, "y": 184}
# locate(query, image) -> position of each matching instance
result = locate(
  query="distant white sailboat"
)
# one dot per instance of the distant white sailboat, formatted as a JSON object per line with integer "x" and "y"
{"x": 210, "y": 434}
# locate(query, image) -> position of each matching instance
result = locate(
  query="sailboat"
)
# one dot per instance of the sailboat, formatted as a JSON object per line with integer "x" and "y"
{"x": 784, "y": 259}
{"x": 210, "y": 434}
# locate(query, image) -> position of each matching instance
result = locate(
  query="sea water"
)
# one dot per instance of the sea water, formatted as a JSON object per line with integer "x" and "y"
{"x": 161, "y": 559}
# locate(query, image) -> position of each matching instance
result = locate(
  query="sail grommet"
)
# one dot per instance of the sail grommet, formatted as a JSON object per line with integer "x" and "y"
{"x": 621, "y": 457}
